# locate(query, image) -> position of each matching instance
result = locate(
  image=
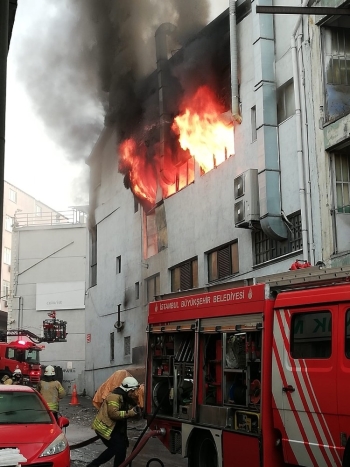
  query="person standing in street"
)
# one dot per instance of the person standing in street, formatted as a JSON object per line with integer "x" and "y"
{"x": 17, "y": 377}
{"x": 110, "y": 424}
{"x": 51, "y": 390}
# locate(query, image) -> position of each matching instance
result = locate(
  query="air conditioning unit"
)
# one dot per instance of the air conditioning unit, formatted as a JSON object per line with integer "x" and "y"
{"x": 246, "y": 193}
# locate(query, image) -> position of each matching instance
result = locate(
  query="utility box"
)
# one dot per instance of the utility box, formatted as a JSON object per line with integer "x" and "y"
{"x": 246, "y": 193}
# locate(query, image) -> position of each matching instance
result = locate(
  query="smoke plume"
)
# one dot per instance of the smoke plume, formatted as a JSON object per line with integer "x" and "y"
{"x": 82, "y": 63}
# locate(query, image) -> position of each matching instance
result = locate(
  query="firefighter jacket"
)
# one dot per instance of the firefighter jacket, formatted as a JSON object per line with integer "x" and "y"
{"x": 114, "y": 412}
{"x": 52, "y": 392}
{"x": 6, "y": 380}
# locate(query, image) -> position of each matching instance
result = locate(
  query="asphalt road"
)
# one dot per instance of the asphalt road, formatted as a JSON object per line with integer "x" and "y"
{"x": 79, "y": 430}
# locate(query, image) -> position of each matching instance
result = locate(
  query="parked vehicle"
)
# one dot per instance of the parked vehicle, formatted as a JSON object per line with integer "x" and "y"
{"x": 27, "y": 424}
{"x": 254, "y": 375}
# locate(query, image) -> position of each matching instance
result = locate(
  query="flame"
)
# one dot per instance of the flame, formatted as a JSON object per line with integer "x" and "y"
{"x": 202, "y": 131}
{"x": 142, "y": 173}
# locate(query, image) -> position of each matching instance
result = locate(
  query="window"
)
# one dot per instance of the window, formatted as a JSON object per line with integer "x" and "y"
{"x": 93, "y": 257}
{"x": 153, "y": 287}
{"x": 267, "y": 249}
{"x": 111, "y": 346}
{"x": 118, "y": 264}
{"x": 184, "y": 276}
{"x": 253, "y": 123}
{"x": 336, "y": 58}
{"x": 137, "y": 290}
{"x": 8, "y": 223}
{"x": 342, "y": 182}
{"x": 7, "y": 256}
{"x": 13, "y": 195}
{"x": 285, "y": 101}
{"x": 311, "y": 335}
{"x": 223, "y": 262}
{"x": 126, "y": 346}
{"x": 38, "y": 210}
{"x": 5, "y": 291}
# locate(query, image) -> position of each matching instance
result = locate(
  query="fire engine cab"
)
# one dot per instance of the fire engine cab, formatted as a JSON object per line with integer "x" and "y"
{"x": 254, "y": 375}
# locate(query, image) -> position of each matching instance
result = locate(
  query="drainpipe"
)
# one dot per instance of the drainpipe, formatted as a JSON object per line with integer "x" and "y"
{"x": 271, "y": 220}
{"x": 303, "y": 169}
{"x": 234, "y": 67}
{"x": 164, "y": 90}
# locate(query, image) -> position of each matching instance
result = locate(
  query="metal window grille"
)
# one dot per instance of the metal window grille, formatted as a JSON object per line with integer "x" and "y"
{"x": 185, "y": 276}
{"x": 267, "y": 249}
{"x": 127, "y": 345}
{"x": 111, "y": 346}
{"x": 223, "y": 262}
{"x": 342, "y": 182}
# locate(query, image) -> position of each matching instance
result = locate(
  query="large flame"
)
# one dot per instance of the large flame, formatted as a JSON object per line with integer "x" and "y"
{"x": 142, "y": 174}
{"x": 203, "y": 131}
{"x": 203, "y": 135}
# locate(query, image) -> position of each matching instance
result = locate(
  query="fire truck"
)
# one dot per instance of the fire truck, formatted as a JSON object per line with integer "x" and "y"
{"x": 24, "y": 353}
{"x": 255, "y": 373}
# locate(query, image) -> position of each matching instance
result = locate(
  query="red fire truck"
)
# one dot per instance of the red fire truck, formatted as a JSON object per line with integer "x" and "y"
{"x": 24, "y": 353}
{"x": 254, "y": 375}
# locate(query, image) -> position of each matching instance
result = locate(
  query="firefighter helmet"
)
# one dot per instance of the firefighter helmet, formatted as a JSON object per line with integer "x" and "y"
{"x": 17, "y": 373}
{"x": 49, "y": 371}
{"x": 129, "y": 383}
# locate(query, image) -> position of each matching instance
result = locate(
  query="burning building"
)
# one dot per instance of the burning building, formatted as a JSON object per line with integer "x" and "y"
{"x": 210, "y": 174}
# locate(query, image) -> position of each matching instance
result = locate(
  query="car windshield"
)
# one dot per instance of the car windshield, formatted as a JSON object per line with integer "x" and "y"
{"x": 21, "y": 407}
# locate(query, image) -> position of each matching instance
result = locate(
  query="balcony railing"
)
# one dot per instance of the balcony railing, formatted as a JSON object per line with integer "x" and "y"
{"x": 53, "y": 218}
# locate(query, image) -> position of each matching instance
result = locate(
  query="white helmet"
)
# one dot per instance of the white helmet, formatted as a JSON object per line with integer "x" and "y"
{"x": 129, "y": 383}
{"x": 49, "y": 371}
{"x": 17, "y": 372}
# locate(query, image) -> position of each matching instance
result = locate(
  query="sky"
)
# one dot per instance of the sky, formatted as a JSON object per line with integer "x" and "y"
{"x": 46, "y": 111}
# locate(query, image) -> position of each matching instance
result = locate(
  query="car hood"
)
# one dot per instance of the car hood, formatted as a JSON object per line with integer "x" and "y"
{"x": 31, "y": 440}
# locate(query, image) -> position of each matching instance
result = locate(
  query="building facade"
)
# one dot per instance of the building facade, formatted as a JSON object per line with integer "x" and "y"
{"x": 48, "y": 275}
{"x": 276, "y": 193}
{"x": 21, "y": 204}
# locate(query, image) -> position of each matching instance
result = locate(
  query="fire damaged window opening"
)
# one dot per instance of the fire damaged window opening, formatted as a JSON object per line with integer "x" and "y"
{"x": 184, "y": 276}
{"x": 93, "y": 256}
{"x": 267, "y": 249}
{"x": 153, "y": 287}
{"x": 336, "y": 68}
{"x": 223, "y": 261}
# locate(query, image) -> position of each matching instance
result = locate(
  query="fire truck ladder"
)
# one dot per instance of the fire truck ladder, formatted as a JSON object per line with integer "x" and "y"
{"x": 305, "y": 278}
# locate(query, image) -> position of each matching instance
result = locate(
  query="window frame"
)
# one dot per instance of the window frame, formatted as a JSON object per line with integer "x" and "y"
{"x": 177, "y": 275}
{"x": 213, "y": 260}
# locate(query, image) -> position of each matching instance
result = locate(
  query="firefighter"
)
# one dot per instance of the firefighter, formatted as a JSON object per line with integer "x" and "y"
{"x": 17, "y": 377}
{"x": 6, "y": 380}
{"x": 51, "y": 389}
{"x": 110, "y": 424}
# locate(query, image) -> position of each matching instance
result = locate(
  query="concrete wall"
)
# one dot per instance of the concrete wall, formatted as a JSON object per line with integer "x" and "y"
{"x": 47, "y": 255}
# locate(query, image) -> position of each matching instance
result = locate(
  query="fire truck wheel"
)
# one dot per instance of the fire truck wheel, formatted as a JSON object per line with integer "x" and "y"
{"x": 203, "y": 452}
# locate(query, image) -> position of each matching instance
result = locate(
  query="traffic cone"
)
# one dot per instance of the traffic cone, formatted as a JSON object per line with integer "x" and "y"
{"x": 74, "y": 399}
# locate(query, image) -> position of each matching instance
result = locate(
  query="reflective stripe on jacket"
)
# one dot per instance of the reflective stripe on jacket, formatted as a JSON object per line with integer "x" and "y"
{"x": 113, "y": 413}
{"x": 52, "y": 392}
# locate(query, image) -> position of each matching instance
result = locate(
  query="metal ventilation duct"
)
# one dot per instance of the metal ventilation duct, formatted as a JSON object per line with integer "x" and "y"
{"x": 267, "y": 138}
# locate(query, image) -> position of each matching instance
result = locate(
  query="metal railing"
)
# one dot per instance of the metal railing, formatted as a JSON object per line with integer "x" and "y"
{"x": 52, "y": 218}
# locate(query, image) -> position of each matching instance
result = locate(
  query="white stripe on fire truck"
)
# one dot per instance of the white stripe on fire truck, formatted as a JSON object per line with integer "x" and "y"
{"x": 306, "y": 394}
{"x": 303, "y": 453}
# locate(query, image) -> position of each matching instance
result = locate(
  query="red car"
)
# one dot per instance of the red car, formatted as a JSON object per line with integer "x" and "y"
{"x": 27, "y": 424}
